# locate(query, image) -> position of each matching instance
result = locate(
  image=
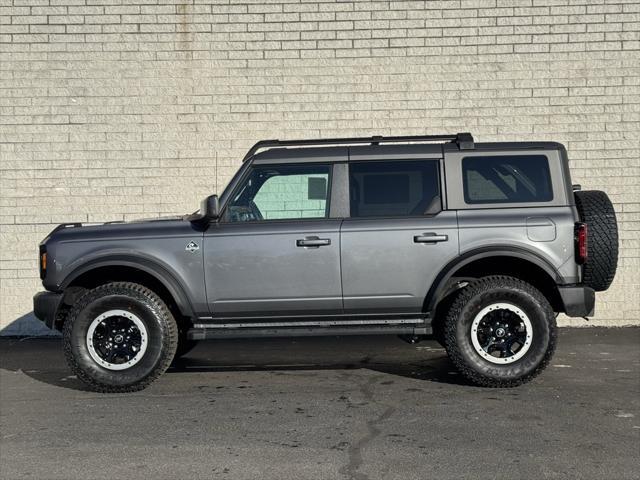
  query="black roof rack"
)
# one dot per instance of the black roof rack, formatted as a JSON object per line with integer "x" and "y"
{"x": 463, "y": 140}
{"x": 66, "y": 225}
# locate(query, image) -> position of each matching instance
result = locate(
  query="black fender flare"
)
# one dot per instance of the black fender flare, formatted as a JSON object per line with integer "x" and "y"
{"x": 146, "y": 265}
{"x": 439, "y": 285}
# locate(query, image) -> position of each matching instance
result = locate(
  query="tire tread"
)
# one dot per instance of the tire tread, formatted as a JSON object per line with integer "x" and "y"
{"x": 129, "y": 289}
{"x": 466, "y": 294}
{"x": 595, "y": 209}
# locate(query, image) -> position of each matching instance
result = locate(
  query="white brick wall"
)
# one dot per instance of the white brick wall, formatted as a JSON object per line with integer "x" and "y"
{"x": 112, "y": 109}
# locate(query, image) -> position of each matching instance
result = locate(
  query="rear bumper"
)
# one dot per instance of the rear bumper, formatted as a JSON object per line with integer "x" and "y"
{"x": 45, "y": 307}
{"x": 579, "y": 301}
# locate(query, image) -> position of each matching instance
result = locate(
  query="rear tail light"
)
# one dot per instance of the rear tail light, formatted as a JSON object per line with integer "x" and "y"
{"x": 582, "y": 247}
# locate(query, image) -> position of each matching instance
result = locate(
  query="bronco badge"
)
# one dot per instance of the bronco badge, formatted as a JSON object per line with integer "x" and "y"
{"x": 192, "y": 247}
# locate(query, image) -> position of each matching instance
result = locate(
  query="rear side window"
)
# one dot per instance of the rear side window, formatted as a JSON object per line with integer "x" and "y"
{"x": 394, "y": 189}
{"x": 506, "y": 179}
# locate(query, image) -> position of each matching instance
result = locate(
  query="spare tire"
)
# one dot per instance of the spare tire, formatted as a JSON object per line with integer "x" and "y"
{"x": 595, "y": 209}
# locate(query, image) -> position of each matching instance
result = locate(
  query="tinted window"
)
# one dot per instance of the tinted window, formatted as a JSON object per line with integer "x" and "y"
{"x": 506, "y": 179}
{"x": 395, "y": 188}
{"x": 281, "y": 192}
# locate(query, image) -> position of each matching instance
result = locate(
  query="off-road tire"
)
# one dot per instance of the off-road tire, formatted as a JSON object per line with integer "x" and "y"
{"x": 157, "y": 319}
{"x": 471, "y": 300}
{"x": 595, "y": 209}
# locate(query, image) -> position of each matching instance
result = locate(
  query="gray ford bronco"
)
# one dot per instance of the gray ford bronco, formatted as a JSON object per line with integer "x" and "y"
{"x": 479, "y": 244}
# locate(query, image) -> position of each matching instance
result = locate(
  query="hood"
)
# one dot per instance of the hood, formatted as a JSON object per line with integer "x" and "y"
{"x": 145, "y": 220}
{"x": 143, "y": 228}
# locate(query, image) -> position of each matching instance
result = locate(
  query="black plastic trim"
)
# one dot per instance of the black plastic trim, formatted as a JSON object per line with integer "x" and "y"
{"x": 579, "y": 301}
{"x": 209, "y": 333}
{"x": 360, "y": 318}
{"x": 160, "y": 273}
{"x": 464, "y": 141}
{"x": 440, "y": 284}
{"x": 45, "y": 307}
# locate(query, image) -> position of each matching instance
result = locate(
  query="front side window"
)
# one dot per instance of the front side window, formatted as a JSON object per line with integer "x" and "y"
{"x": 506, "y": 179}
{"x": 279, "y": 192}
{"x": 396, "y": 188}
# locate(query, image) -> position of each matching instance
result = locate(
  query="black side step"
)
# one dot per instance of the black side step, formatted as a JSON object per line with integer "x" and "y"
{"x": 202, "y": 332}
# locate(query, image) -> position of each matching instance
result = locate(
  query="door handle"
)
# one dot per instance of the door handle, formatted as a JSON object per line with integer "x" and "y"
{"x": 430, "y": 237}
{"x": 313, "y": 242}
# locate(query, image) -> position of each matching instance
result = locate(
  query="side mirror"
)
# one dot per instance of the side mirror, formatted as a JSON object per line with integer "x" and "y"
{"x": 210, "y": 207}
{"x": 209, "y": 210}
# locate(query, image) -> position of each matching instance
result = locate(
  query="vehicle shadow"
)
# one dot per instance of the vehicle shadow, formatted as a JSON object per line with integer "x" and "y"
{"x": 27, "y": 325}
{"x": 42, "y": 359}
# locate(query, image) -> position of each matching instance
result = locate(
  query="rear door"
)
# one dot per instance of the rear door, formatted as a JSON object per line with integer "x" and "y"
{"x": 276, "y": 252}
{"x": 397, "y": 238}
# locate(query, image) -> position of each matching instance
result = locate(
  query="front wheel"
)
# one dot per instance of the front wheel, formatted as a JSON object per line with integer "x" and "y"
{"x": 119, "y": 337}
{"x": 500, "y": 332}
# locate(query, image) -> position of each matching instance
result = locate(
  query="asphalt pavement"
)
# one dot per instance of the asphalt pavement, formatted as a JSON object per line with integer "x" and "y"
{"x": 326, "y": 408}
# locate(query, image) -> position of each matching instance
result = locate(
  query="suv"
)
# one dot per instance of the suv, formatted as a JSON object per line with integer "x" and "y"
{"x": 480, "y": 245}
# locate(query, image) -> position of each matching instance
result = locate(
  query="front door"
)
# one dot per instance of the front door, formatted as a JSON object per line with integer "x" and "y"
{"x": 275, "y": 252}
{"x": 397, "y": 238}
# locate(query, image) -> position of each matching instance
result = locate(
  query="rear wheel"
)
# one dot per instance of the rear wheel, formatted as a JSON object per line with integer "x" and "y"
{"x": 119, "y": 337}
{"x": 500, "y": 332}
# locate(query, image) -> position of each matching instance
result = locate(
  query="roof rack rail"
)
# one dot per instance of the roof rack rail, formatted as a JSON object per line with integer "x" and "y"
{"x": 463, "y": 140}
{"x": 66, "y": 225}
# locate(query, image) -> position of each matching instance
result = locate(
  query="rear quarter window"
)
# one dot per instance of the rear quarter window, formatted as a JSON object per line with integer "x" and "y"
{"x": 506, "y": 179}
